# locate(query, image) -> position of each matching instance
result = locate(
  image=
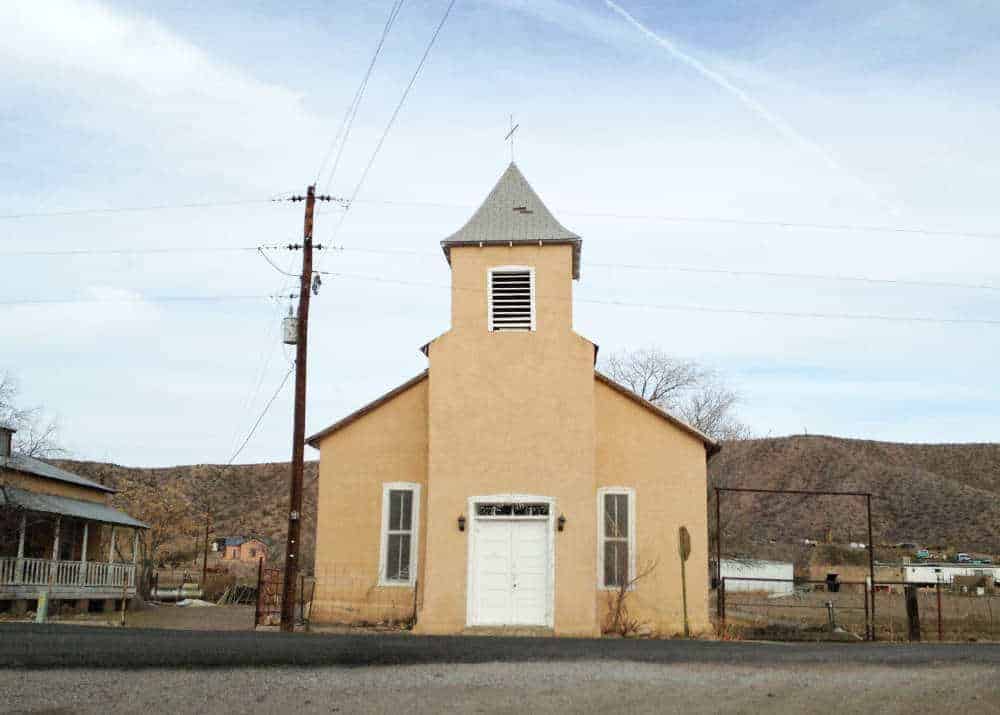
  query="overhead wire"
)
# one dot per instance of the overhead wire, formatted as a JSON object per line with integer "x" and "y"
{"x": 344, "y": 131}
{"x": 393, "y": 117}
{"x": 699, "y": 308}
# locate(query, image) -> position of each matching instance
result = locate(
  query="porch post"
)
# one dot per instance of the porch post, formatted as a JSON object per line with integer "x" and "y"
{"x": 55, "y": 539}
{"x": 111, "y": 546}
{"x": 135, "y": 555}
{"x": 83, "y": 555}
{"x": 20, "y": 547}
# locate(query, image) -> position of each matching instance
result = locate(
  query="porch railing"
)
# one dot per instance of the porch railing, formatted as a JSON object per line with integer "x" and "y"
{"x": 45, "y": 572}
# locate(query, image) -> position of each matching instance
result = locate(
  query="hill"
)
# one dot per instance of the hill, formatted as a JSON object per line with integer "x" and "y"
{"x": 943, "y": 496}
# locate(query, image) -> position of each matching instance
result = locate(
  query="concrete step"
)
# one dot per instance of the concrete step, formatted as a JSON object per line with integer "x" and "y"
{"x": 518, "y": 631}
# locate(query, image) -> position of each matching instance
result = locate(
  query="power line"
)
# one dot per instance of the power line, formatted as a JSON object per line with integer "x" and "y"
{"x": 707, "y": 270}
{"x": 344, "y": 131}
{"x": 132, "y": 209}
{"x": 703, "y": 309}
{"x": 140, "y": 299}
{"x": 260, "y": 418}
{"x": 774, "y": 223}
{"x": 395, "y": 114}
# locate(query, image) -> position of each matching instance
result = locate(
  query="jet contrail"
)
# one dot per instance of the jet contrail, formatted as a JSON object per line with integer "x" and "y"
{"x": 783, "y": 127}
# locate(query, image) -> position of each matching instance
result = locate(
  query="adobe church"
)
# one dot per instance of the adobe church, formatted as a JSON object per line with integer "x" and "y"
{"x": 510, "y": 483}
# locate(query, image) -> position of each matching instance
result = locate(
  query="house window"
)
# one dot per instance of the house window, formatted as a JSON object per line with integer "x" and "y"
{"x": 616, "y": 537}
{"x": 511, "y": 298}
{"x": 253, "y": 553}
{"x": 400, "y": 518}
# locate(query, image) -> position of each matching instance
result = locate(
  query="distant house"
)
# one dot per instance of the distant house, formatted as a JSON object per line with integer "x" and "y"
{"x": 242, "y": 548}
{"x": 60, "y": 536}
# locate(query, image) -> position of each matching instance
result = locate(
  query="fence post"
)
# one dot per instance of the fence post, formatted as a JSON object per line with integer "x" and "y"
{"x": 939, "y": 617}
{"x": 260, "y": 575}
{"x": 868, "y": 623}
{"x": 912, "y": 612}
{"x": 722, "y": 606}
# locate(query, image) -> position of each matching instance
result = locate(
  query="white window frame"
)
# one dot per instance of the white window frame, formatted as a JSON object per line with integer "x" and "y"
{"x": 601, "y": 539}
{"x": 383, "y": 555}
{"x": 489, "y": 295}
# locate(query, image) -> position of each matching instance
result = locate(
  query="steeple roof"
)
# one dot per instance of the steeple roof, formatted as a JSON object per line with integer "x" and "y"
{"x": 513, "y": 213}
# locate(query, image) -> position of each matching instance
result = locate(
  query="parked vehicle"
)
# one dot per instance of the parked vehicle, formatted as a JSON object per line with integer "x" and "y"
{"x": 923, "y": 554}
{"x": 963, "y": 558}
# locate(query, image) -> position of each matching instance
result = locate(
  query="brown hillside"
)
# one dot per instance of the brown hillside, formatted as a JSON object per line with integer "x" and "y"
{"x": 249, "y": 498}
{"x": 945, "y": 496}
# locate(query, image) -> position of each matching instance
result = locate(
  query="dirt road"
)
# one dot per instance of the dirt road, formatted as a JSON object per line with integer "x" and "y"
{"x": 598, "y": 687}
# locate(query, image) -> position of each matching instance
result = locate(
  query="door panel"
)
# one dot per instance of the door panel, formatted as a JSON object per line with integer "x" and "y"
{"x": 511, "y": 572}
{"x": 529, "y": 549}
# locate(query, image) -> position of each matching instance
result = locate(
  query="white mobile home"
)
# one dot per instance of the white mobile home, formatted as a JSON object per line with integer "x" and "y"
{"x": 734, "y": 570}
{"x": 946, "y": 572}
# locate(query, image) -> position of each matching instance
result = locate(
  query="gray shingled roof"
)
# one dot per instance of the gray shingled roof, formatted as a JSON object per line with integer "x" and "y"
{"x": 50, "y": 504}
{"x": 30, "y": 465}
{"x": 513, "y": 213}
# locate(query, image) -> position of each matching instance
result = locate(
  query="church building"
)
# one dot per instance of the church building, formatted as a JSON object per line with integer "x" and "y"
{"x": 511, "y": 484}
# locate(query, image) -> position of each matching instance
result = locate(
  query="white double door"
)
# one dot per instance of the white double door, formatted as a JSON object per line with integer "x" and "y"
{"x": 511, "y": 572}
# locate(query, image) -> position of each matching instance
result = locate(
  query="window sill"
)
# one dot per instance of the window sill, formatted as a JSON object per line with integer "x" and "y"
{"x": 396, "y": 584}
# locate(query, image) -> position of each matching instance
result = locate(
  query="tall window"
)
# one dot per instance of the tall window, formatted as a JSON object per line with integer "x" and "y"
{"x": 400, "y": 507}
{"x": 616, "y": 536}
{"x": 511, "y": 292}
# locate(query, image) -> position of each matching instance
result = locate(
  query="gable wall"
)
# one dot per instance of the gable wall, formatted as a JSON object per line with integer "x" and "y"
{"x": 388, "y": 444}
{"x": 42, "y": 485}
{"x": 666, "y": 467}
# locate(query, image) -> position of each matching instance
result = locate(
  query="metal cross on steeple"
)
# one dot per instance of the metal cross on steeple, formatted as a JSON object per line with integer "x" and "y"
{"x": 510, "y": 136}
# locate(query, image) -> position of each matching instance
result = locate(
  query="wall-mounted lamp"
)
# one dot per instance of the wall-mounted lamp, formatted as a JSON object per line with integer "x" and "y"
{"x": 561, "y": 522}
{"x": 461, "y": 522}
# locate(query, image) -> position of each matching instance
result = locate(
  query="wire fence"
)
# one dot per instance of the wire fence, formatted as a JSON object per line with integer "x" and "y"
{"x": 804, "y": 609}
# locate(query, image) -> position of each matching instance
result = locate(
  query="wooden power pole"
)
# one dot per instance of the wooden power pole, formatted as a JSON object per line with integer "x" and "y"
{"x": 299, "y": 431}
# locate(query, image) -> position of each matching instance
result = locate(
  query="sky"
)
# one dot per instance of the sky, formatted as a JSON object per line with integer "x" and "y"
{"x": 715, "y": 135}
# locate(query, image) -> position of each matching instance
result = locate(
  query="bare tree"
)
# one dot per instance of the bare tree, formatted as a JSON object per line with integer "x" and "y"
{"x": 696, "y": 393}
{"x": 37, "y": 433}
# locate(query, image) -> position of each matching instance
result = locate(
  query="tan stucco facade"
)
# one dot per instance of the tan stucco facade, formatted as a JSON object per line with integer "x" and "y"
{"x": 513, "y": 416}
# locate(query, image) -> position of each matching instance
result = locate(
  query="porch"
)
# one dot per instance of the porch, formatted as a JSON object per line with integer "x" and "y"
{"x": 26, "y": 578}
{"x": 69, "y": 549}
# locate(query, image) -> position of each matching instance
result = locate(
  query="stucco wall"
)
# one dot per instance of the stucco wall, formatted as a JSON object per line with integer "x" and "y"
{"x": 510, "y": 412}
{"x": 42, "y": 485}
{"x": 667, "y": 469}
{"x": 386, "y": 445}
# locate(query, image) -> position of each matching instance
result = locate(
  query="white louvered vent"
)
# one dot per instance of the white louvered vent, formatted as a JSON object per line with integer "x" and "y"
{"x": 512, "y": 298}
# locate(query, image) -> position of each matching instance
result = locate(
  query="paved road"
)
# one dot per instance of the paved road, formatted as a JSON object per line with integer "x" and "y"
{"x": 30, "y": 646}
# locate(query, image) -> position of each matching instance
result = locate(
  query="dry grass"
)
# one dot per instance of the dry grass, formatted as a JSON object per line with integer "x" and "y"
{"x": 805, "y": 616}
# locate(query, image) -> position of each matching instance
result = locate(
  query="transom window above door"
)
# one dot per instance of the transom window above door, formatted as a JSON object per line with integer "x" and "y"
{"x": 511, "y": 509}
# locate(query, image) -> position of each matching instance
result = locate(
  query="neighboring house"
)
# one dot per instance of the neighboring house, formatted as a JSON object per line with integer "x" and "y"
{"x": 242, "y": 548}
{"x": 59, "y": 535}
{"x": 510, "y": 483}
{"x": 738, "y": 572}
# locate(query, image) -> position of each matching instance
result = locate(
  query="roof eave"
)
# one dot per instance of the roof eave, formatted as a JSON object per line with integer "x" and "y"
{"x": 575, "y": 241}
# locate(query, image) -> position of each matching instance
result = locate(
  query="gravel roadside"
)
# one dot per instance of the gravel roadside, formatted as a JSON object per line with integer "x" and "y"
{"x": 507, "y": 688}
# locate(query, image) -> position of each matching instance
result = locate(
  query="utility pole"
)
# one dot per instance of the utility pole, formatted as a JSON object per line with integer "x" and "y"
{"x": 299, "y": 431}
{"x": 204, "y": 556}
